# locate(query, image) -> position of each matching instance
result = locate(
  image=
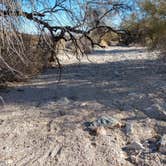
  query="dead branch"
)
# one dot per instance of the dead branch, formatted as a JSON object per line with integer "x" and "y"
{"x": 12, "y": 13}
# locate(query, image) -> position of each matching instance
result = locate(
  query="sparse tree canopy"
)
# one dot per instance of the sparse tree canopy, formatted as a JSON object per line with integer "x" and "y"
{"x": 147, "y": 24}
{"x": 53, "y": 20}
{"x": 77, "y": 22}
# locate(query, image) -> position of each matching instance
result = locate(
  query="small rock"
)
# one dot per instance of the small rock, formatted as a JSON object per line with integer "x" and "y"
{"x": 135, "y": 146}
{"x": 152, "y": 144}
{"x": 84, "y": 104}
{"x": 105, "y": 121}
{"x": 136, "y": 95}
{"x": 10, "y": 161}
{"x": 100, "y": 131}
{"x": 64, "y": 101}
{"x": 163, "y": 89}
{"x": 156, "y": 111}
{"x": 162, "y": 148}
{"x": 92, "y": 105}
{"x": 55, "y": 151}
{"x": 136, "y": 130}
{"x": 160, "y": 127}
{"x": 2, "y": 102}
{"x": 116, "y": 73}
{"x": 132, "y": 94}
{"x": 129, "y": 129}
{"x": 1, "y": 121}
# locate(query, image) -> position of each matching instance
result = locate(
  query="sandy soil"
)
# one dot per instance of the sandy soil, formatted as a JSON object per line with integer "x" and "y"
{"x": 42, "y": 121}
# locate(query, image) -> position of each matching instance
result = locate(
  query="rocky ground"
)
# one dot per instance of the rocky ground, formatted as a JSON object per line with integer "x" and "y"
{"x": 108, "y": 110}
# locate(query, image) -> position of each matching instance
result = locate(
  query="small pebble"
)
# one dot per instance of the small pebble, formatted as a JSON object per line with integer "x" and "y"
{"x": 101, "y": 131}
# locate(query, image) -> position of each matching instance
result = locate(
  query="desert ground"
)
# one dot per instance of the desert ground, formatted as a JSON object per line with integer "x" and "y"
{"x": 43, "y": 122}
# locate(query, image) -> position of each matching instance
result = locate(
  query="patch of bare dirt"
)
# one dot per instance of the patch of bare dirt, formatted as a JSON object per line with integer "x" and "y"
{"x": 43, "y": 120}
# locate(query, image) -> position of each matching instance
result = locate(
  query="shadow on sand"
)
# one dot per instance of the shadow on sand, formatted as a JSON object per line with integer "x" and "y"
{"x": 118, "y": 51}
{"x": 123, "y": 85}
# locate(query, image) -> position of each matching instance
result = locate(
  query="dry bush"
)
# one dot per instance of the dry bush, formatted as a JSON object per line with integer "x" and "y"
{"x": 35, "y": 55}
{"x": 85, "y": 45}
{"x": 20, "y": 68}
{"x": 82, "y": 45}
{"x": 110, "y": 38}
{"x": 148, "y": 26}
{"x": 26, "y": 55}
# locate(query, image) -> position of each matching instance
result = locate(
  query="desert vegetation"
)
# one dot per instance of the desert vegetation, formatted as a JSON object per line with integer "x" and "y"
{"x": 82, "y": 82}
{"x": 147, "y": 24}
{"x": 19, "y": 49}
{"x": 25, "y": 54}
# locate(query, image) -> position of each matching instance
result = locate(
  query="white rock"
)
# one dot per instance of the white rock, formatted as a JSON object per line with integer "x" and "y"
{"x": 63, "y": 100}
{"x": 136, "y": 131}
{"x": 129, "y": 128}
{"x": 2, "y": 102}
{"x": 55, "y": 151}
{"x": 135, "y": 146}
{"x": 100, "y": 131}
{"x": 132, "y": 94}
{"x": 84, "y": 104}
{"x": 162, "y": 148}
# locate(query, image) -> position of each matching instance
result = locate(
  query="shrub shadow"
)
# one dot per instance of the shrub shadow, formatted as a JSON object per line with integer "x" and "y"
{"x": 124, "y": 85}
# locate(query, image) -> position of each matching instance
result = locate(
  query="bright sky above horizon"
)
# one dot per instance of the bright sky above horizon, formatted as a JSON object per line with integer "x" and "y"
{"x": 60, "y": 18}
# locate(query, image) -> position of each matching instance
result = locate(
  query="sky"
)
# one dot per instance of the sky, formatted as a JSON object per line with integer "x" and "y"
{"x": 60, "y": 18}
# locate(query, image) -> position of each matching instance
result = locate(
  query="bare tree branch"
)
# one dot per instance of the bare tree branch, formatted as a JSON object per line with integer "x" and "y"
{"x": 48, "y": 23}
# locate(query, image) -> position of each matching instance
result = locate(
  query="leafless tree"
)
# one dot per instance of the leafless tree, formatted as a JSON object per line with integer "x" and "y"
{"x": 53, "y": 20}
